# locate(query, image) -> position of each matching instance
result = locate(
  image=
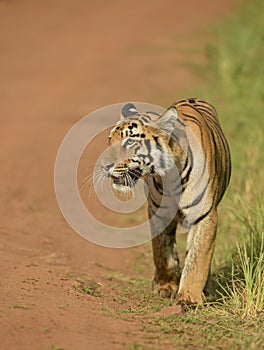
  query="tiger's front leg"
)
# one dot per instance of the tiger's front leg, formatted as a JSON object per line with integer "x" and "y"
{"x": 167, "y": 274}
{"x": 200, "y": 247}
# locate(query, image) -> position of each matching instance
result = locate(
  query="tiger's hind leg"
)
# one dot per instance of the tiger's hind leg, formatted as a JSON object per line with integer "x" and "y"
{"x": 167, "y": 274}
{"x": 196, "y": 270}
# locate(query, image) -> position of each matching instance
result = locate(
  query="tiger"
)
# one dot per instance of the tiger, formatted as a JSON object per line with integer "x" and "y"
{"x": 184, "y": 159}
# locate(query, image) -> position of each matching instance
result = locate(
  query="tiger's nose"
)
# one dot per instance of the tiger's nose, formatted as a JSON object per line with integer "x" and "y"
{"x": 107, "y": 167}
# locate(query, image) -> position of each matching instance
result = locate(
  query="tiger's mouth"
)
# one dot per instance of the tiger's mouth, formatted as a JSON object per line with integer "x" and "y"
{"x": 125, "y": 181}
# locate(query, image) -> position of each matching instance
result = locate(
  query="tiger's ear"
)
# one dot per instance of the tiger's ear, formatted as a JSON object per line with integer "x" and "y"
{"x": 167, "y": 121}
{"x": 128, "y": 110}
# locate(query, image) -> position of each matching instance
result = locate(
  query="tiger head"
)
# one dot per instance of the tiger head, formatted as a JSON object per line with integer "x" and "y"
{"x": 139, "y": 147}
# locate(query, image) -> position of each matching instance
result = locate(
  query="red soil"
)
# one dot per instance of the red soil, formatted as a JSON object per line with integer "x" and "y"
{"x": 59, "y": 61}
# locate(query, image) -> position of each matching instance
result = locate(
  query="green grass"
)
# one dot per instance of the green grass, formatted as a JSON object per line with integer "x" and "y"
{"x": 236, "y": 71}
{"x": 87, "y": 286}
{"x": 55, "y": 347}
{"x": 136, "y": 346}
{"x": 82, "y": 284}
{"x": 23, "y": 307}
{"x": 211, "y": 327}
{"x": 245, "y": 294}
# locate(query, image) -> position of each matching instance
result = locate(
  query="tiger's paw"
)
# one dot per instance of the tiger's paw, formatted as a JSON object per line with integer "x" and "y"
{"x": 166, "y": 290}
{"x": 187, "y": 299}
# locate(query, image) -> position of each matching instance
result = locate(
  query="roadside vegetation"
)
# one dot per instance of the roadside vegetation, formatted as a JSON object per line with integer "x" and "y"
{"x": 236, "y": 71}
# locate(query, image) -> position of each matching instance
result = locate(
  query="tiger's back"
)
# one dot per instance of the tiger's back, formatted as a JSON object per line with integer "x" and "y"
{"x": 202, "y": 118}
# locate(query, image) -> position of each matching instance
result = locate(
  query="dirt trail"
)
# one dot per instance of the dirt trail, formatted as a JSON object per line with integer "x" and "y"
{"x": 59, "y": 61}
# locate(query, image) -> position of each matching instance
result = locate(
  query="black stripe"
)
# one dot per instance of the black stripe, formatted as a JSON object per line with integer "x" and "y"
{"x": 158, "y": 186}
{"x": 136, "y": 149}
{"x": 174, "y": 137}
{"x": 146, "y": 116}
{"x": 154, "y": 113}
{"x": 192, "y": 119}
{"x": 162, "y": 164}
{"x": 197, "y": 199}
{"x": 197, "y": 106}
{"x": 153, "y": 213}
{"x": 181, "y": 101}
{"x": 225, "y": 144}
{"x": 157, "y": 205}
{"x": 136, "y": 120}
{"x": 202, "y": 216}
{"x": 209, "y": 110}
{"x": 145, "y": 119}
{"x": 184, "y": 104}
{"x": 147, "y": 143}
{"x": 179, "y": 185}
{"x": 185, "y": 164}
{"x": 156, "y": 139}
{"x": 218, "y": 163}
{"x": 180, "y": 122}
{"x": 187, "y": 176}
{"x": 203, "y": 101}
{"x": 135, "y": 161}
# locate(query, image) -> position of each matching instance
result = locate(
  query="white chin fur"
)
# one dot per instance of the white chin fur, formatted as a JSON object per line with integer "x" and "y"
{"x": 121, "y": 188}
